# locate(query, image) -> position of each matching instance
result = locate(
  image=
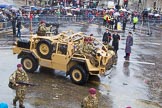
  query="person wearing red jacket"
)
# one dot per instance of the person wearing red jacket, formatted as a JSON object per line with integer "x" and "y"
{"x": 126, "y": 3}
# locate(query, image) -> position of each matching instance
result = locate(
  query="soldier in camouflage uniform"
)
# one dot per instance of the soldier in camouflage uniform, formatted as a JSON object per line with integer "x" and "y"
{"x": 19, "y": 76}
{"x": 88, "y": 44}
{"x": 42, "y": 29}
{"x": 91, "y": 101}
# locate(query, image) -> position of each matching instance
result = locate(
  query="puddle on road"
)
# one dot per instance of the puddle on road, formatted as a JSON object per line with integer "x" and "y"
{"x": 124, "y": 87}
{"x": 38, "y": 102}
{"x": 148, "y": 104}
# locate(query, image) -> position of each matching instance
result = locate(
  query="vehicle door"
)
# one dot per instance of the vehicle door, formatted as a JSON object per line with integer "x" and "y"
{"x": 60, "y": 58}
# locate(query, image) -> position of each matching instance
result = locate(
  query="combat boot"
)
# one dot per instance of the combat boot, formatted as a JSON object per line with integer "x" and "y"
{"x": 21, "y": 106}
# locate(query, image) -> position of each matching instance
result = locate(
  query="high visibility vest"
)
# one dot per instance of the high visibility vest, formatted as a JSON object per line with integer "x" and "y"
{"x": 109, "y": 18}
{"x": 105, "y": 17}
{"x": 119, "y": 26}
{"x": 135, "y": 20}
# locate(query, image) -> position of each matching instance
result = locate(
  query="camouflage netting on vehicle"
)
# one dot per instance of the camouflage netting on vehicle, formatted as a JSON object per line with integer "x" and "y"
{"x": 87, "y": 46}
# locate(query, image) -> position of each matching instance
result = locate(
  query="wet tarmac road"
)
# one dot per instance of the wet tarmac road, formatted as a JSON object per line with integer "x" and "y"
{"x": 136, "y": 83}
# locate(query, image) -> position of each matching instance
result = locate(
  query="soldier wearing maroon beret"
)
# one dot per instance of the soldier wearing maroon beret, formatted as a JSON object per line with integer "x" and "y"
{"x": 19, "y": 76}
{"x": 90, "y": 101}
{"x": 89, "y": 39}
{"x": 42, "y": 29}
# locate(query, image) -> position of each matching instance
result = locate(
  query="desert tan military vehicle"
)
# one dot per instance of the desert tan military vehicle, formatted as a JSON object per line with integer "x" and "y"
{"x": 76, "y": 54}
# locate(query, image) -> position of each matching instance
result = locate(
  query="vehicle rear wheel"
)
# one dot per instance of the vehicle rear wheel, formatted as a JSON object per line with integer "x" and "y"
{"x": 29, "y": 63}
{"x": 44, "y": 49}
{"x": 78, "y": 75}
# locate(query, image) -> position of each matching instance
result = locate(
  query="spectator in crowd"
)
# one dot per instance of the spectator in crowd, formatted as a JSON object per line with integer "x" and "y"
{"x": 135, "y": 21}
{"x": 124, "y": 23}
{"x": 19, "y": 27}
{"x": 125, "y": 3}
{"x": 112, "y": 23}
{"x": 13, "y": 20}
{"x": 115, "y": 23}
{"x": 130, "y": 18}
{"x": 104, "y": 19}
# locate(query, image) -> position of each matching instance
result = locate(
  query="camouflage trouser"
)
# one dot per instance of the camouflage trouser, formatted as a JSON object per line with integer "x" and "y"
{"x": 20, "y": 95}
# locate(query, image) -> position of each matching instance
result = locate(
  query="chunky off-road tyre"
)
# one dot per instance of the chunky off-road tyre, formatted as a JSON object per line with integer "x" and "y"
{"x": 44, "y": 49}
{"x": 78, "y": 75}
{"x": 29, "y": 63}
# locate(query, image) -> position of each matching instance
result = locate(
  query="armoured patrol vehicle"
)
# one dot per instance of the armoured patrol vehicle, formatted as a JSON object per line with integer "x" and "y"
{"x": 77, "y": 54}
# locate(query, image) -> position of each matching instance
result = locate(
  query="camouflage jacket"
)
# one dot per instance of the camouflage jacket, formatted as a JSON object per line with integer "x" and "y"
{"x": 42, "y": 28}
{"x": 19, "y": 76}
{"x": 90, "y": 102}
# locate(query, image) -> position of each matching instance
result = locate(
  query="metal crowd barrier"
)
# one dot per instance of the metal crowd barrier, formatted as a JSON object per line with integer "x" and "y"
{"x": 5, "y": 25}
{"x": 153, "y": 21}
{"x": 64, "y": 19}
{"x": 77, "y": 19}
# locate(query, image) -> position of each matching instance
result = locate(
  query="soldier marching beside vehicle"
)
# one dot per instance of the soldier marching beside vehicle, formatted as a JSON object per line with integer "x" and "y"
{"x": 90, "y": 101}
{"x": 19, "y": 76}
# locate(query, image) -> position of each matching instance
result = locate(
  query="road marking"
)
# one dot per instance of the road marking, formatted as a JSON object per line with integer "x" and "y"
{"x": 138, "y": 62}
{"x": 144, "y": 43}
{"x": 154, "y": 43}
{"x": 148, "y": 43}
{"x": 5, "y": 48}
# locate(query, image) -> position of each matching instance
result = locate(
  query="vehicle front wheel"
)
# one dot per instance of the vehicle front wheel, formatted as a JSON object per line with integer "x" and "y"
{"x": 78, "y": 75}
{"x": 29, "y": 63}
